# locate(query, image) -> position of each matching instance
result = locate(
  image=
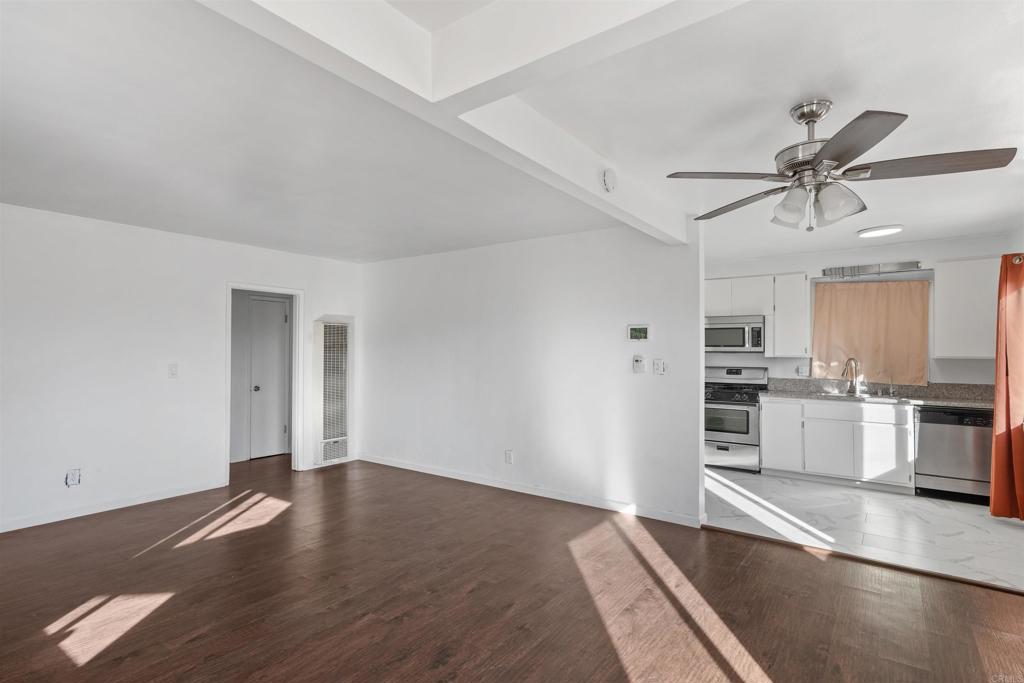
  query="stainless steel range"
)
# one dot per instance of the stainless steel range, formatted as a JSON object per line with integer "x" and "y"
{"x": 732, "y": 413}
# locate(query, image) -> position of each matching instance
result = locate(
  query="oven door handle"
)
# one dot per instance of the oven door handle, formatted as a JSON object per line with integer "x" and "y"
{"x": 749, "y": 407}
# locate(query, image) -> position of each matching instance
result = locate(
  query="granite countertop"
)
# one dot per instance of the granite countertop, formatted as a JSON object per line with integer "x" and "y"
{"x": 945, "y": 402}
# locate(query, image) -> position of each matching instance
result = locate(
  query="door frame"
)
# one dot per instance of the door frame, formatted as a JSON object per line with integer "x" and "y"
{"x": 297, "y": 428}
{"x": 287, "y": 301}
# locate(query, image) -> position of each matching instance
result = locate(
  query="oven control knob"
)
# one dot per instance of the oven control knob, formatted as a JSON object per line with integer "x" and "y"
{"x": 707, "y": 394}
{"x": 739, "y": 397}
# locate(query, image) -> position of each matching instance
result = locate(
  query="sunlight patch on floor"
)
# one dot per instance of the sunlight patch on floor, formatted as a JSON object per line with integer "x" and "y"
{"x": 195, "y": 521}
{"x": 98, "y": 622}
{"x": 259, "y": 514}
{"x": 775, "y": 518}
{"x": 655, "y": 618}
{"x": 258, "y": 510}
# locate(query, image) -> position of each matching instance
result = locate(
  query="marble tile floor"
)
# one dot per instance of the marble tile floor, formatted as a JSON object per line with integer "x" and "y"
{"x": 948, "y": 537}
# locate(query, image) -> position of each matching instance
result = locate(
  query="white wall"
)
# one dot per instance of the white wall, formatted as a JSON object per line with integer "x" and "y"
{"x": 523, "y": 346}
{"x": 927, "y": 252}
{"x": 92, "y": 314}
{"x": 238, "y": 436}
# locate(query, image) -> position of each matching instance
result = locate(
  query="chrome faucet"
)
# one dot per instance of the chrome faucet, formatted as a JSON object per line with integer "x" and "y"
{"x": 852, "y": 368}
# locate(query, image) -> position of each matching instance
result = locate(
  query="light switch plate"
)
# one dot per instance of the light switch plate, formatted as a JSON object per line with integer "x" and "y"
{"x": 659, "y": 366}
{"x": 172, "y": 371}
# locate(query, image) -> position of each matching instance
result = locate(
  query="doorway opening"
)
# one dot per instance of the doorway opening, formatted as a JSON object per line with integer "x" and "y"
{"x": 261, "y": 387}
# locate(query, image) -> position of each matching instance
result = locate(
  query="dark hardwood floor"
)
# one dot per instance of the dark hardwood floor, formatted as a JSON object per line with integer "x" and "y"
{"x": 367, "y": 573}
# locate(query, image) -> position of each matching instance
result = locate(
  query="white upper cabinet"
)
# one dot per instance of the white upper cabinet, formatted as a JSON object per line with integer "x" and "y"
{"x": 718, "y": 297}
{"x": 784, "y": 300}
{"x": 792, "y": 325}
{"x": 753, "y": 295}
{"x": 966, "y": 293}
{"x": 739, "y": 296}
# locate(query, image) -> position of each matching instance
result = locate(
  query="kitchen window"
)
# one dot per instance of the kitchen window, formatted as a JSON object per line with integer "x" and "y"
{"x": 884, "y": 325}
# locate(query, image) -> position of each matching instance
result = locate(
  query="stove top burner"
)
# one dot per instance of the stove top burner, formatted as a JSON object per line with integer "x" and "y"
{"x": 733, "y": 393}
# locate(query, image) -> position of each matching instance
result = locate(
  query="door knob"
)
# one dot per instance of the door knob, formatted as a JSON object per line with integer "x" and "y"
{"x": 256, "y": 388}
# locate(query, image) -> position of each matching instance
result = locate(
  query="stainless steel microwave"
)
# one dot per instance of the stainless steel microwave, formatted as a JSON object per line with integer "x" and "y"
{"x": 734, "y": 334}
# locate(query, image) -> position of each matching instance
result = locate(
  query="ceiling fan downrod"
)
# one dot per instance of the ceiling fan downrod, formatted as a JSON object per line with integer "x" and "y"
{"x": 809, "y": 113}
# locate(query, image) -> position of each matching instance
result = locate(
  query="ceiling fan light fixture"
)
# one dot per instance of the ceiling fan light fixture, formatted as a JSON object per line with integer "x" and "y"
{"x": 793, "y": 206}
{"x": 880, "y": 231}
{"x": 838, "y": 202}
{"x": 819, "y": 214}
{"x": 785, "y": 224}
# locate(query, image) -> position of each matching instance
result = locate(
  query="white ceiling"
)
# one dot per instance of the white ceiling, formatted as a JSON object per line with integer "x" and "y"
{"x": 436, "y": 14}
{"x": 716, "y": 96}
{"x": 200, "y": 120}
{"x": 167, "y": 115}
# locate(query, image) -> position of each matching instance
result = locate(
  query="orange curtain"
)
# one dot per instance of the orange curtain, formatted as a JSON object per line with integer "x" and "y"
{"x": 884, "y": 325}
{"x": 1007, "y": 498}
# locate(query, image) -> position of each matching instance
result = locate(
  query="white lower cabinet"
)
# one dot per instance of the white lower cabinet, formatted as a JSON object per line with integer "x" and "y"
{"x": 884, "y": 452}
{"x": 782, "y": 445}
{"x": 851, "y": 440}
{"x": 828, "y": 447}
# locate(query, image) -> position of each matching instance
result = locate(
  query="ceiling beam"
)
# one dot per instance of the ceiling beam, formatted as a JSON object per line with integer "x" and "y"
{"x": 463, "y": 78}
{"x": 505, "y": 47}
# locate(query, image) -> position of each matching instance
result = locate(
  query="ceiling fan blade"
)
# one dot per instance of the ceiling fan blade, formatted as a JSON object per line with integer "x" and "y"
{"x": 713, "y": 175}
{"x": 932, "y": 164}
{"x": 741, "y": 203}
{"x": 858, "y": 136}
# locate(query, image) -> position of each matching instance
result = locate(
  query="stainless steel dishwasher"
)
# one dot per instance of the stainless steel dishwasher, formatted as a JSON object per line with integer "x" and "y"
{"x": 954, "y": 450}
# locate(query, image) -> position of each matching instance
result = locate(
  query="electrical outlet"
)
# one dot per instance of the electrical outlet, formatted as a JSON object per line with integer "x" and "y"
{"x": 510, "y": 457}
{"x": 73, "y": 478}
{"x": 172, "y": 371}
{"x": 659, "y": 366}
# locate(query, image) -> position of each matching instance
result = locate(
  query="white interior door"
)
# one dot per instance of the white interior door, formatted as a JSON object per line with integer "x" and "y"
{"x": 270, "y": 405}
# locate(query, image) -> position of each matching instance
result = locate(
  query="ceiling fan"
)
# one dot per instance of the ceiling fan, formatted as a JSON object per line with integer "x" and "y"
{"x": 809, "y": 171}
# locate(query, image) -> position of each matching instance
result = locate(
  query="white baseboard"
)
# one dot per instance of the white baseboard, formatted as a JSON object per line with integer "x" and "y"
{"x": 591, "y": 501}
{"x": 903, "y": 489}
{"x": 103, "y": 506}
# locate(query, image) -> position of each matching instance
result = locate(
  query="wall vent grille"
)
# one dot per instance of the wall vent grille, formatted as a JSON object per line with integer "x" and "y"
{"x": 334, "y": 444}
{"x": 843, "y": 272}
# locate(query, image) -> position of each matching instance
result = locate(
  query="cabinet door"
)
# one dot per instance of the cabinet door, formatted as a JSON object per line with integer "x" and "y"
{"x": 883, "y": 452}
{"x": 753, "y": 295}
{"x": 792, "y": 326}
{"x": 965, "y": 308}
{"x": 828, "y": 447}
{"x": 718, "y": 297}
{"x": 782, "y": 446}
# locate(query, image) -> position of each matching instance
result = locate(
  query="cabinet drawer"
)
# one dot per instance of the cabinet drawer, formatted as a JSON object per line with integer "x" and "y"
{"x": 858, "y": 412}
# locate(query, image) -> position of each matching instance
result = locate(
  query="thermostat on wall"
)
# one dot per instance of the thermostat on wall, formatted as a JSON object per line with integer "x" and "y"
{"x": 638, "y": 332}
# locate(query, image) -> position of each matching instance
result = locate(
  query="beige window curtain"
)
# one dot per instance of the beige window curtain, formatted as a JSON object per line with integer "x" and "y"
{"x": 884, "y": 325}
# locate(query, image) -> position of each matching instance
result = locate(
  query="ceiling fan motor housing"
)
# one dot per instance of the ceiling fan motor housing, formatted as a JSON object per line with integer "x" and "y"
{"x": 790, "y": 159}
